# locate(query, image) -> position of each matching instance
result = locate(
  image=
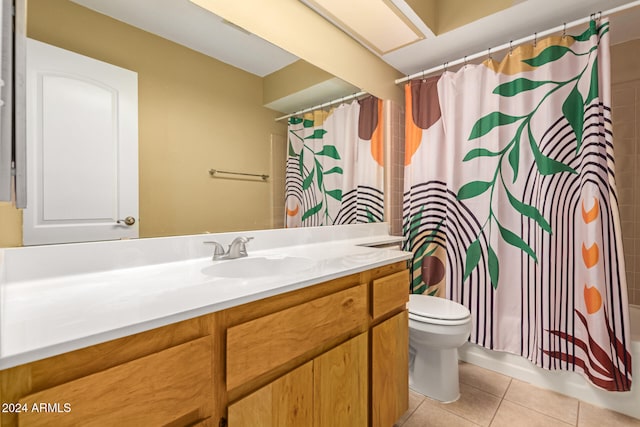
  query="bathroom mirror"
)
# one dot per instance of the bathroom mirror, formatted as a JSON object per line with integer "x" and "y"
{"x": 195, "y": 114}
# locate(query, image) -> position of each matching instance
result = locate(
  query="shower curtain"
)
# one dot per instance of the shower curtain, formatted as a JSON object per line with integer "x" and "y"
{"x": 335, "y": 165}
{"x": 510, "y": 204}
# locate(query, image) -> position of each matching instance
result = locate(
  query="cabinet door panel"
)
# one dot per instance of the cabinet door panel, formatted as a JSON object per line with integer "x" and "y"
{"x": 152, "y": 391}
{"x": 286, "y": 402}
{"x": 390, "y": 370}
{"x": 340, "y": 385}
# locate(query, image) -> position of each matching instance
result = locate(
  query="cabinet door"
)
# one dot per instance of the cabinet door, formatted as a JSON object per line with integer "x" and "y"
{"x": 173, "y": 385}
{"x": 285, "y": 402}
{"x": 390, "y": 370}
{"x": 340, "y": 385}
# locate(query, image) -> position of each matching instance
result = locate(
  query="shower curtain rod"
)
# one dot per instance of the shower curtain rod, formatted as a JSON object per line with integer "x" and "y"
{"x": 326, "y": 104}
{"x": 513, "y": 43}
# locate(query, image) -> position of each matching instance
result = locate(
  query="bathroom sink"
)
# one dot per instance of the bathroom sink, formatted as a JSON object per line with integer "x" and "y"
{"x": 258, "y": 267}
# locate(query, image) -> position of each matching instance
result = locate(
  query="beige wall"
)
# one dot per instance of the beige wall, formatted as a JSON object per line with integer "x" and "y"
{"x": 456, "y": 13}
{"x": 625, "y": 70}
{"x": 10, "y": 226}
{"x": 195, "y": 113}
{"x": 446, "y": 15}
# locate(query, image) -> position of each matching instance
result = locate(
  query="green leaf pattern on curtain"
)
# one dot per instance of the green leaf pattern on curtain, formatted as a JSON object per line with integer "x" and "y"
{"x": 315, "y": 175}
{"x": 485, "y": 127}
{"x": 332, "y": 173}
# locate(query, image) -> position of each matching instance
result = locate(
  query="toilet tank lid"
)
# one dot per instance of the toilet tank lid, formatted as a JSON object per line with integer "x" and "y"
{"x": 437, "y": 308}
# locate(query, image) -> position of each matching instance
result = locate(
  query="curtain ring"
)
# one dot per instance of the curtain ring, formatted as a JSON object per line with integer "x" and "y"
{"x": 564, "y": 30}
{"x": 465, "y": 61}
{"x": 489, "y": 53}
{"x": 445, "y": 65}
{"x": 510, "y": 47}
{"x": 599, "y": 16}
{"x": 423, "y": 78}
{"x": 535, "y": 39}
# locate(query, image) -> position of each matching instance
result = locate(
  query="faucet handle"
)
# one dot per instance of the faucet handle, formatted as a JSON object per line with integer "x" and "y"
{"x": 218, "y": 249}
{"x": 242, "y": 239}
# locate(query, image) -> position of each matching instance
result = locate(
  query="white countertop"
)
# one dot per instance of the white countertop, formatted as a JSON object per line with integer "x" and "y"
{"x": 49, "y": 307}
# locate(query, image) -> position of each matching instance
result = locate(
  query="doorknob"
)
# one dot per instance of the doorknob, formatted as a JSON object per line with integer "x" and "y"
{"x": 127, "y": 221}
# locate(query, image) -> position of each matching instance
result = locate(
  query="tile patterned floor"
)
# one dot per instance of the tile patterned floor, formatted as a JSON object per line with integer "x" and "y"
{"x": 492, "y": 399}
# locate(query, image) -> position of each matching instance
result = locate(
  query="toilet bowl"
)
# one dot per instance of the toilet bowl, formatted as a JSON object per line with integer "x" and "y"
{"x": 437, "y": 327}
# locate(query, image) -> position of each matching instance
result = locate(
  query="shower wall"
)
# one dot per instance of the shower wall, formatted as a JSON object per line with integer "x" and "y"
{"x": 394, "y": 161}
{"x": 625, "y": 72}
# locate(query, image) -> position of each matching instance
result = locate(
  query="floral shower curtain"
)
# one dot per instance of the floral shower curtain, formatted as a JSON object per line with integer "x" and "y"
{"x": 511, "y": 208}
{"x": 335, "y": 165}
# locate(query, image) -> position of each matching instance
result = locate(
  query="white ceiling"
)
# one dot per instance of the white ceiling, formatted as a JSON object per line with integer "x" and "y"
{"x": 521, "y": 20}
{"x": 189, "y": 25}
{"x": 185, "y": 23}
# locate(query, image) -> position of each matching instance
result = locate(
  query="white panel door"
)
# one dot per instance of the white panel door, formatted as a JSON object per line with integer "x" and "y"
{"x": 82, "y": 148}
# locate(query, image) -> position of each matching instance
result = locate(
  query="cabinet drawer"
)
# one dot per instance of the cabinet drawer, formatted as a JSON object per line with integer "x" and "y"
{"x": 389, "y": 293}
{"x": 172, "y": 384}
{"x": 257, "y": 346}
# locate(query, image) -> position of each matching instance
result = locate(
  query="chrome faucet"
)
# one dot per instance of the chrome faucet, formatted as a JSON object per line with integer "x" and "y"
{"x": 237, "y": 249}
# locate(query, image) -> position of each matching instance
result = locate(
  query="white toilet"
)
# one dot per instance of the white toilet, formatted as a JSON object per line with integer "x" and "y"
{"x": 437, "y": 327}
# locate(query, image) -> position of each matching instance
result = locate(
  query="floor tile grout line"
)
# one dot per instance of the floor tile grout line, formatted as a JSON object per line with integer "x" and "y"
{"x": 501, "y": 401}
{"x": 541, "y": 413}
{"x": 578, "y": 414}
{"x": 424, "y": 399}
{"x": 488, "y": 392}
{"x": 536, "y": 410}
{"x": 414, "y": 411}
{"x": 444, "y": 407}
{"x": 496, "y": 413}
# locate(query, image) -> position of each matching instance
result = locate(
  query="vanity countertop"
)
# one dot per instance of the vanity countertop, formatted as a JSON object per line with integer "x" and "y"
{"x": 66, "y": 304}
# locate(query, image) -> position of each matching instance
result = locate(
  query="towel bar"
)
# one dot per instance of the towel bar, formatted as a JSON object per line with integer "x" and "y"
{"x": 264, "y": 177}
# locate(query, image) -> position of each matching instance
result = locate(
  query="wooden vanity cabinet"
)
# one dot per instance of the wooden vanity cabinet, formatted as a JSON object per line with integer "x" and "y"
{"x": 340, "y": 379}
{"x": 158, "y": 377}
{"x": 328, "y": 335}
{"x": 330, "y": 390}
{"x": 261, "y": 345}
{"x": 332, "y": 354}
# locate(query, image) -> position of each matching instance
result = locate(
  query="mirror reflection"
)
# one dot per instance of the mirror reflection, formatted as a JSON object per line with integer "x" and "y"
{"x": 195, "y": 113}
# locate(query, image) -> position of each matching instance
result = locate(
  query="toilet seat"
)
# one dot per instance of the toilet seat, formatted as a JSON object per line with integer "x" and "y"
{"x": 436, "y": 310}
